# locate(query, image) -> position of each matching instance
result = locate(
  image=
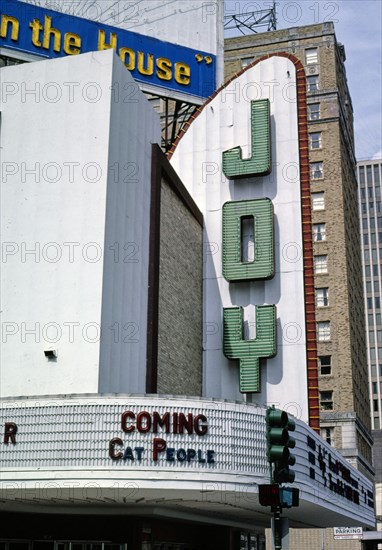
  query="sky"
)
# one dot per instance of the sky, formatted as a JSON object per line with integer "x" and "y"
{"x": 358, "y": 25}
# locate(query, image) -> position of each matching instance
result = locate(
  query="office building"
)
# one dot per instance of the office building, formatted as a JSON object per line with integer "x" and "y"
{"x": 369, "y": 180}
{"x": 369, "y": 189}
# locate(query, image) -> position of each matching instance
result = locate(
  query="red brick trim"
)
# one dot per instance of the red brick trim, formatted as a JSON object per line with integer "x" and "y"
{"x": 310, "y": 318}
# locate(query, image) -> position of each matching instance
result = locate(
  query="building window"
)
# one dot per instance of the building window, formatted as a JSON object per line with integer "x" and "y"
{"x": 325, "y": 363}
{"x": 362, "y": 175}
{"x": 313, "y": 111}
{"x": 318, "y": 201}
{"x": 327, "y": 435}
{"x": 319, "y": 232}
{"x": 321, "y": 264}
{"x": 374, "y": 387}
{"x": 369, "y": 174}
{"x": 322, "y": 297}
{"x": 375, "y": 405}
{"x": 376, "y": 175}
{"x": 312, "y": 82}
{"x": 323, "y": 331}
{"x": 246, "y": 61}
{"x": 311, "y": 56}
{"x": 326, "y": 400}
{"x": 315, "y": 140}
{"x": 316, "y": 170}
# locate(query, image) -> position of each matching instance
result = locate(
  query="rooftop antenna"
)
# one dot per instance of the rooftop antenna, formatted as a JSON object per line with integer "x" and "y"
{"x": 252, "y": 22}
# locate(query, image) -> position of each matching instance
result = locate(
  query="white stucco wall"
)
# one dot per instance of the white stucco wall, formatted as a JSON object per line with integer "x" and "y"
{"x": 134, "y": 126}
{"x": 225, "y": 123}
{"x": 61, "y": 199}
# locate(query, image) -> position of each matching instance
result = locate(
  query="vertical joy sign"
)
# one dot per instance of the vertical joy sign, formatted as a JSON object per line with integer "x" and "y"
{"x": 244, "y": 222}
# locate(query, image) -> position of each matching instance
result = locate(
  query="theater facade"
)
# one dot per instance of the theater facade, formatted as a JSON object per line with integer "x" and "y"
{"x": 153, "y": 308}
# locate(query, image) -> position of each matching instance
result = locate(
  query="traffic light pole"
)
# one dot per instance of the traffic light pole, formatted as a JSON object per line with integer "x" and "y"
{"x": 279, "y": 443}
{"x": 277, "y": 536}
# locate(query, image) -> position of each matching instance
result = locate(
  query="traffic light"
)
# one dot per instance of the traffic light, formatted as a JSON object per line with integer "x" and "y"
{"x": 274, "y": 495}
{"x": 289, "y": 496}
{"x": 278, "y": 444}
{"x": 269, "y": 495}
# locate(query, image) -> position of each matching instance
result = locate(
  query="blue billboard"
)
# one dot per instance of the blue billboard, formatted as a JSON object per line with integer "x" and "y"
{"x": 51, "y": 34}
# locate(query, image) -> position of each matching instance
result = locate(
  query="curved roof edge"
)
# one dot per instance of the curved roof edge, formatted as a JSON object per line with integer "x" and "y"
{"x": 299, "y": 77}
